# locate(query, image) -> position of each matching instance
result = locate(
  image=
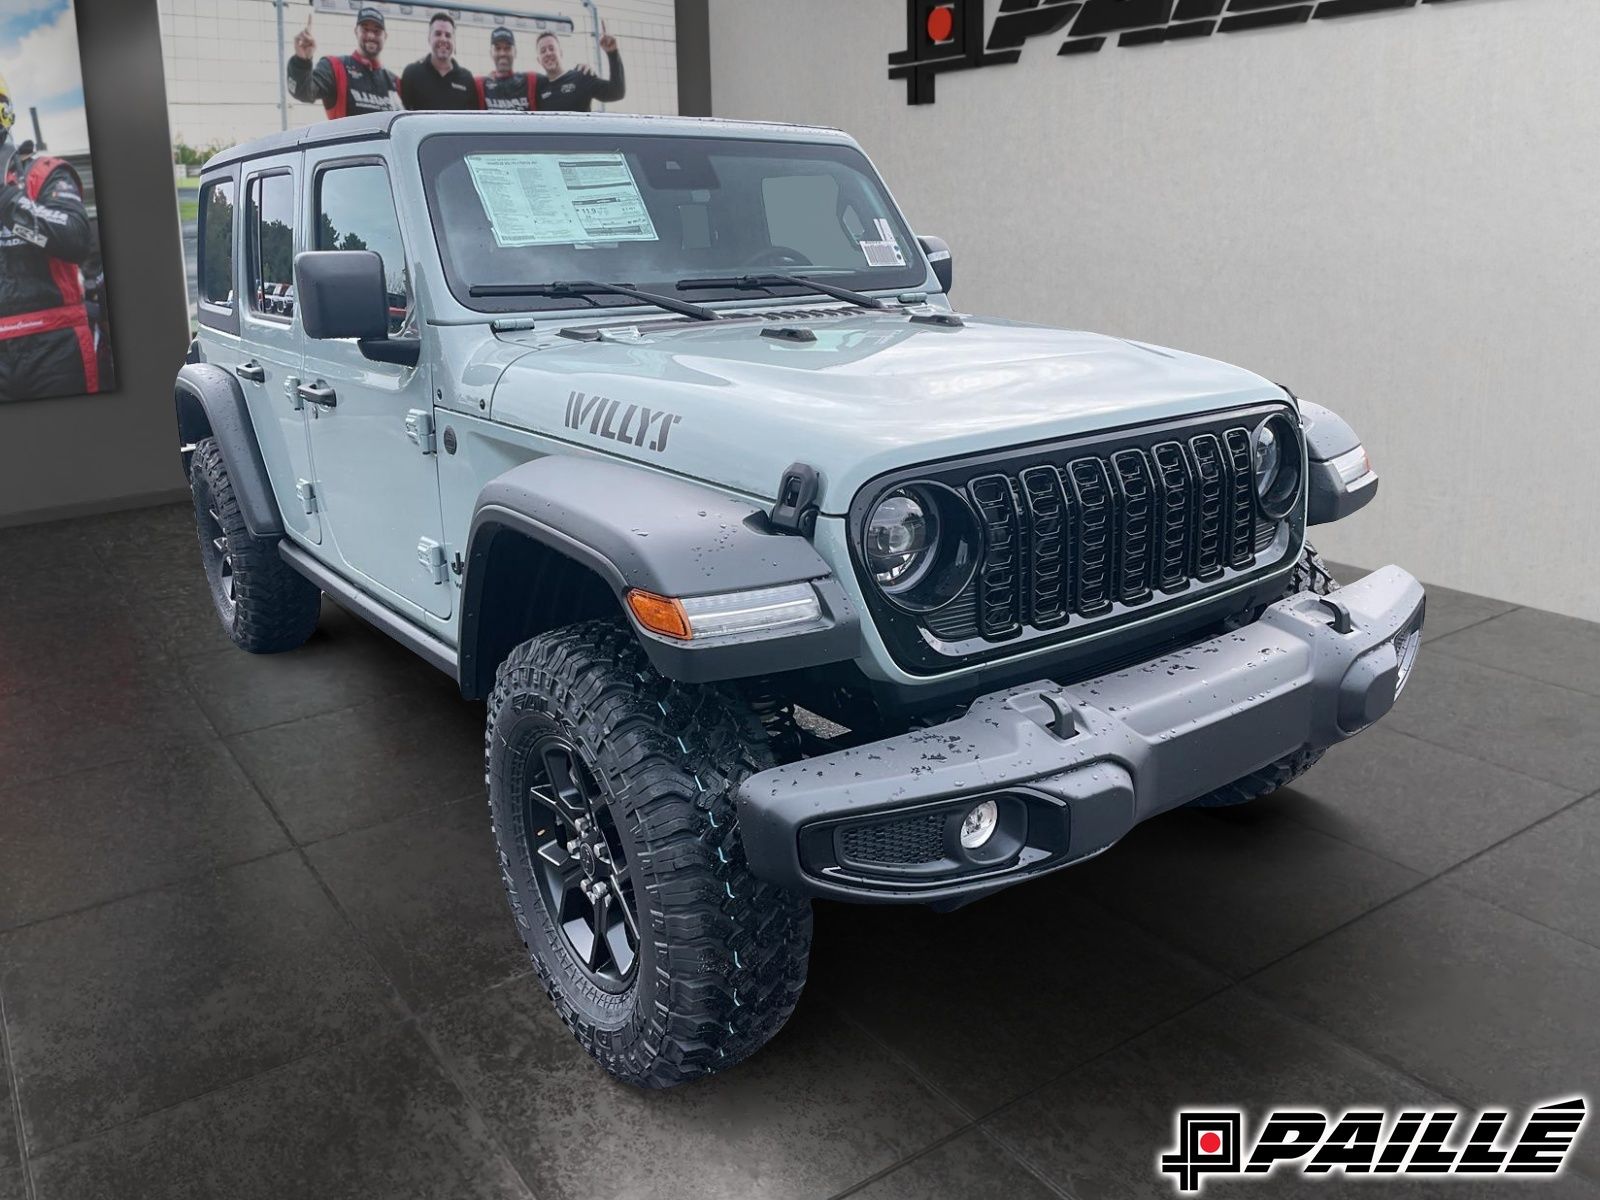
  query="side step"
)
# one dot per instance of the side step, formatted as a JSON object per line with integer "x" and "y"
{"x": 370, "y": 610}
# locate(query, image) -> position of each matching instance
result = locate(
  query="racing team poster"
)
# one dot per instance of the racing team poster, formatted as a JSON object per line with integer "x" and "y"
{"x": 55, "y": 339}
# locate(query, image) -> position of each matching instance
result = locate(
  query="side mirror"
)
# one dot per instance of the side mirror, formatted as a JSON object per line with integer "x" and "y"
{"x": 938, "y": 253}
{"x": 343, "y": 294}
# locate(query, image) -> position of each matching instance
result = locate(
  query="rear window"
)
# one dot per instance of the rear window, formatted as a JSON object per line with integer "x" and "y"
{"x": 216, "y": 243}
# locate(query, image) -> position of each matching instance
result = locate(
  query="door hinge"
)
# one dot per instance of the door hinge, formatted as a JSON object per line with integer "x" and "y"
{"x": 434, "y": 559}
{"x": 420, "y": 429}
{"x": 307, "y": 492}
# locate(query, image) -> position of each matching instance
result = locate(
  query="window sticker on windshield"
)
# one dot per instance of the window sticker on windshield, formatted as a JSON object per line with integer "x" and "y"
{"x": 550, "y": 199}
{"x": 885, "y": 252}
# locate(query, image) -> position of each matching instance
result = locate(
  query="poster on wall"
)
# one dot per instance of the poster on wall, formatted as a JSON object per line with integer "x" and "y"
{"x": 55, "y": 336}
{"x": 288, "y": 63}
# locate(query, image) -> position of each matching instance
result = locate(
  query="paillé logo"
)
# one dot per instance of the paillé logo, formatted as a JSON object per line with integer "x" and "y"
{"x": 1311, "y": 1142}
{"x": 948, "y": 35}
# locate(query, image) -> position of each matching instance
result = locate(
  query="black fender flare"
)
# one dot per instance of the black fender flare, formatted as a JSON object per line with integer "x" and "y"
{"x": 636, "y": 528}
{"x": 210, "y": 403}
{"x": 1328, "y": 435}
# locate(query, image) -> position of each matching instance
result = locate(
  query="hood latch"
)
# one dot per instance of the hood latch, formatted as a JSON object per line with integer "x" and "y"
{"x": 796, "y": 509}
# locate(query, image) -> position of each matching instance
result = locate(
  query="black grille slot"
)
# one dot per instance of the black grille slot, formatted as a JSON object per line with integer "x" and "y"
{"x": 1177, "y": 513}
{"x": 1266, "y": 534}
{"x": 1136, "y": 529}
{"x": 1091, "y": 491}
{"x": 895, "y": 843}
{"x": 999, "y": 582}
{"x": 1241, "y": 500}
{"x": 1048, "y": 517}
{"x": 1210, "y": 492}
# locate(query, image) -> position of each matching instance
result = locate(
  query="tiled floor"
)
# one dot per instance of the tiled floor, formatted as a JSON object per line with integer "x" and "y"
{"x": 252, "y": 941}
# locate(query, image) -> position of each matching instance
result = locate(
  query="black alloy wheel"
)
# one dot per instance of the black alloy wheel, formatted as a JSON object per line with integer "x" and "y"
{"x": 580, "y": 863}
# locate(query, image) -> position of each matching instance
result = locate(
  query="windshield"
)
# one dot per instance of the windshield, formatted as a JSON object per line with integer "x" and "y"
{"x": 653, "y": 213}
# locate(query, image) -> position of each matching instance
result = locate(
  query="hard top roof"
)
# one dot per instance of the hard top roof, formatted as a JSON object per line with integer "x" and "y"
{"x": 381, "y": 125}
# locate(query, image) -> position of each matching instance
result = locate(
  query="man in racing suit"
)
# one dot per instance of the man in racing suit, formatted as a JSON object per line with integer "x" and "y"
{"x": 576, "y": 90}
{"x": 507, "y": 90}
{"x": 47, "y": 346}
{"x": 350, "y": 84}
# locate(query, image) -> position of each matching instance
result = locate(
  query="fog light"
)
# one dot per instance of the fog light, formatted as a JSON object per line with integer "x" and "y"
{"x": 978, "y": 826}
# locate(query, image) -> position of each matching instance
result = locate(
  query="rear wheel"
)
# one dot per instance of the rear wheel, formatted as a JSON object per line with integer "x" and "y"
{"x": 1310, "y": 574}
{"x": 263, "y": 604}
{"x": 611, "y": 791}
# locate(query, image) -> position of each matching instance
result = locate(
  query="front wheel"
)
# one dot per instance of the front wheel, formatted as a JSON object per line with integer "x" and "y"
{"x": 611, "y": 791}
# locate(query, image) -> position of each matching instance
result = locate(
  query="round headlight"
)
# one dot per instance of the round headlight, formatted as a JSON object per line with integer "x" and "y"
{"x": 921, "y": 543}
{"x": 1275, "y": 459}
{"x": 902, "y": 534}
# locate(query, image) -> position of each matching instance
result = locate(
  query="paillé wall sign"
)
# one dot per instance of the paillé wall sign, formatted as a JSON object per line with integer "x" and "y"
{"x": 948, "y": 35}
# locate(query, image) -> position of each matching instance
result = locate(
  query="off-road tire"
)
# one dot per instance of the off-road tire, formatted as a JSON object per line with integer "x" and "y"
{"x": 721, "y": 956}
{"x": 267, "y": 608}
{"x": 1310, "y": 574}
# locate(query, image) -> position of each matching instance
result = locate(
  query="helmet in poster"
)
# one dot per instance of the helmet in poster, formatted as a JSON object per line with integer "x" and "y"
{"x": 8, "y": 115}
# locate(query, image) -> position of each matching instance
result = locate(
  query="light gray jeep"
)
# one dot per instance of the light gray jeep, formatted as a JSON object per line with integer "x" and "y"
{"x": 781, "y": 579}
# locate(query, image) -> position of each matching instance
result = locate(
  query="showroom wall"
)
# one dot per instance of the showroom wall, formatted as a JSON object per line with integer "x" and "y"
{"x": 92, "y": 453}
{"x": 1395, "y": 214}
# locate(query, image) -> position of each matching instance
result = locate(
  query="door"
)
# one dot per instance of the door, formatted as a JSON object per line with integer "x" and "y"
{"x": 371, "y": 423}
{"x": 268, "y": 361}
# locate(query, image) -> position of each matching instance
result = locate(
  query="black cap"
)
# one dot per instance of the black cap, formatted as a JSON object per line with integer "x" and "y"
{"x": 502, "y": 34}
{"x": 372, "y": 15}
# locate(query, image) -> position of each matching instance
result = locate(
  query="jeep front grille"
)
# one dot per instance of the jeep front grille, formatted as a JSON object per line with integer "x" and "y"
{"x": 1092, "y": 532}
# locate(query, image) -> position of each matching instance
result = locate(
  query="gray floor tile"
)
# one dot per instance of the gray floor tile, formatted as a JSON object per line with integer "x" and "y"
{"x": 993, "y": 999}
{"x": 377, "y": 1120}
{"x": 817, "y": 1110}
{"x": 1238, "y": 887}
{"x": 79, "y": 839}
{"x": 1545, "y": 645}
{"x": 130, "y": 709}
{"x": 969, "y": 1167}
{"x": 10, "y": 1151}
{"x": 147, "y": 1001}
{"x": 71, "y": 644}
{"x": 1098, "y": 1132}
{"x": 12, "y": 1185}
{"x": 1414, "y": 802}
{"x": 379, "y": 760}
{"x": 1450, "y": 611}
{"x": 1548, "y": 873}
{"x": 345, "y": 663}
{"x": 1541, "y": 730}
{"x": 1472, "y": 1000}
{"x": 425, "y": 894}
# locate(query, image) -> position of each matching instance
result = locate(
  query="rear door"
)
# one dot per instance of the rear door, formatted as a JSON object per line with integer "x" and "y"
{"x": 373, "y": 445}
{"x": 270, "y": 348}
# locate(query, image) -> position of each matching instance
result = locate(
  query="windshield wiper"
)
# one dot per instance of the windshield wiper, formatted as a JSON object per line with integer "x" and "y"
{"x": 584, "y": 288}
{"x": 765, "y": 282}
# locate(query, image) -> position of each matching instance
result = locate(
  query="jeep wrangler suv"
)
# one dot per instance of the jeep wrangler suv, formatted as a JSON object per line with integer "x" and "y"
{"x": 781, "y": 579}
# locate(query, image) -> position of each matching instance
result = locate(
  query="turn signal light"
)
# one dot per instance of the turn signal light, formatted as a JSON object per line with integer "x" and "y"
{"x": 660, "y": 614}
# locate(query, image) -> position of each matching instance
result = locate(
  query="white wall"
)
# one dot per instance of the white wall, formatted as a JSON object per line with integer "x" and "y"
{"x": 1397, "y": 215}
{"x": 222, "y": 64}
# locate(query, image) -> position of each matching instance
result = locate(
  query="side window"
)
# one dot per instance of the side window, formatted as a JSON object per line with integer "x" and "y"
{"x": 355, "y": 211}
{"x": 216, "y": 243}
{"x": 269, "y": 232}
{"x": 802, "y": 214}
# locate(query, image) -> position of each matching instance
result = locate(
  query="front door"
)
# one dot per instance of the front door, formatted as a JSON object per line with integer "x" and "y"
{"x": 371, "y": 423}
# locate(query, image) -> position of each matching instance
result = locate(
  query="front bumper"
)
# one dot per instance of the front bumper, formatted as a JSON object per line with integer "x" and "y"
{"x": 1073, "y": 768}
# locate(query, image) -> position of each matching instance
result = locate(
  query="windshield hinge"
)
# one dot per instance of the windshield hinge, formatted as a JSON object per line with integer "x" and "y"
{"x": 796, "y": 509}
{"x": 419, "y": 428}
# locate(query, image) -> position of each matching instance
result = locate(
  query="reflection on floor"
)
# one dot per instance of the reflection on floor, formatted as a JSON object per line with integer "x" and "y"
{"x": 252, "y": 941}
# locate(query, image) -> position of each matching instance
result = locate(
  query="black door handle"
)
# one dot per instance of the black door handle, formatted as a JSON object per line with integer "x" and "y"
{"x": 318, "y": 393}
{"x": 253, "y": 371}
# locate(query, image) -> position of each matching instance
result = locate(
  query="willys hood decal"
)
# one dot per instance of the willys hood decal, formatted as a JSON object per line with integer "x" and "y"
{"x": 872, "y": 393}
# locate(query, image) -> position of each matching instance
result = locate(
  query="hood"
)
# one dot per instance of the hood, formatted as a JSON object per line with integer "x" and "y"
{"x": 872, "y": 393}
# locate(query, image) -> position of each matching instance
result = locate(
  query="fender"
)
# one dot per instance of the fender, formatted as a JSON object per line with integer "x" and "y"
{"x": 638, "y": 529}
{"x": 211, "y": 404}
{"x": 1339, "y": 479}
